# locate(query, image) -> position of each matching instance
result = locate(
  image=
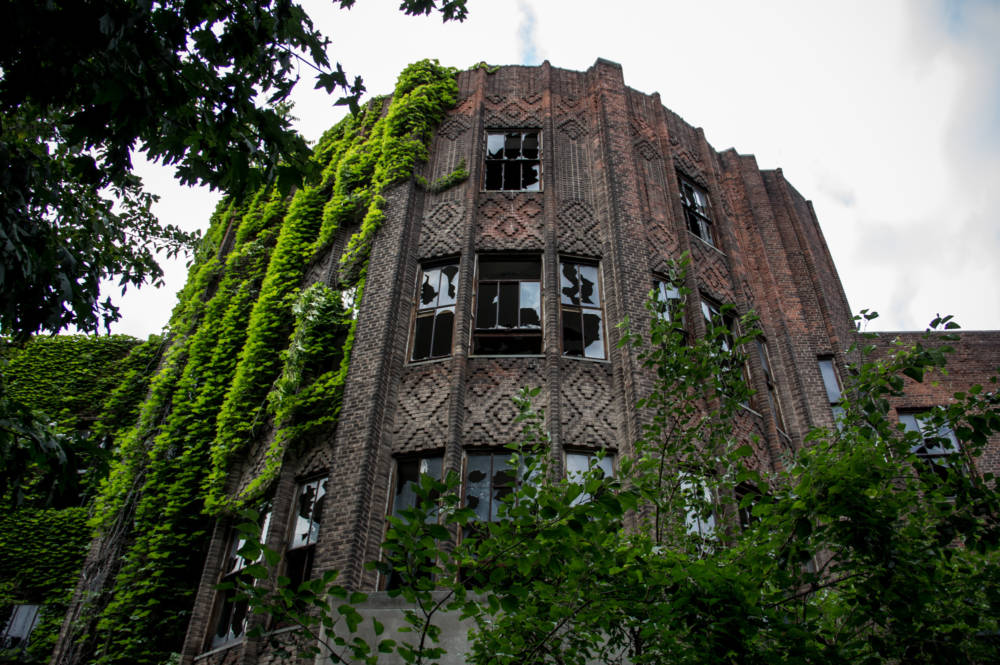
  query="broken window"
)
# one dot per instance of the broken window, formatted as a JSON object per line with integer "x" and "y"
{"x": 408, "y": 473}
{"x": 306, "y": 520}
{"x": 489, "y": 477}
{"x": 670, "y": 302}
{"x": 582, "y": 321}
{"x": 17, "y": 630}
{"x": 831, "y": 382}
{"x": 508, "y": 306}
{"x": 579, "y": 463}
{"x": 773, "y": 401}
{"x": 513, "y": 161}
{"x": 434, "y": 321}
{"x": 747, "y": 496}
{"x": 694, "y": 200}
{"x": 716, "y": 316}
{"x": 699, "y": 506}
{"x": 232, "y": 619}
{"x": 937, "y": 444}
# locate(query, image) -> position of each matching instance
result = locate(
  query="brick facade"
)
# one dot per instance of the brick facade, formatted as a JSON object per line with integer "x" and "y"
{"x": 612, "y": 163}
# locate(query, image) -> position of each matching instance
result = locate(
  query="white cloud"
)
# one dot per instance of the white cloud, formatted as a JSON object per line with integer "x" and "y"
{"x": 886, "y": 114}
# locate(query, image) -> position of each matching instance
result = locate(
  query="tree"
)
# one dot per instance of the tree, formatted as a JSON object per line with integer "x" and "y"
{"x": 857, "y": 551}
{"x": 198, "y": 85}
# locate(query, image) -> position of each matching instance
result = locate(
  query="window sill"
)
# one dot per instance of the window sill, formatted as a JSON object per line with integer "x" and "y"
{"x": 605, "y": 361}
{"x": 706, "y": 243}
{"x": 219, "y": 649}
{"x": 428, "y": 361}
{"x": 507, "y": 355}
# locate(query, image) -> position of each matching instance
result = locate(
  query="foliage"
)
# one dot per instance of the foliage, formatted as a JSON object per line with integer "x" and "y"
{"x": 459, "y": 175}
{"x": 51, "y": 392}
{"x": 201, "y": 86}
{"x": 255, "y": 358}
{"x": 855, "y": 551}
{"x": 42, "y": 551}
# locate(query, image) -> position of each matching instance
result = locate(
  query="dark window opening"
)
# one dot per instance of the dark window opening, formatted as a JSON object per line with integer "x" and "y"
{"x": 773, "y": 401}
{"x": 670, "y": 303}
{"x": 305, "y": 534}
{"x": 508, "y": 306}
{"x": 489, "y": 477}
{"x": 434, "y": 322}
{"x": 17, "y": 631}
{"x": 513, "y": 161}
{"x": 232, "y": 618}
{"x": 936, "y": 446}
{"x": 831, "y": 382}
{"x": 582, "y": 319}
{"x": 408, "y": 473}
{"x": 694, "y": 200}
{"x": 747, "y": 496}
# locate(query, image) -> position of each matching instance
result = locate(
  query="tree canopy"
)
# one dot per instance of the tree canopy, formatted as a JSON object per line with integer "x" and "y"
{"x": 198, "y": 85}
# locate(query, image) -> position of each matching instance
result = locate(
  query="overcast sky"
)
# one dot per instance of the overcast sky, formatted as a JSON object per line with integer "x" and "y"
{"x": 885, "y": 114}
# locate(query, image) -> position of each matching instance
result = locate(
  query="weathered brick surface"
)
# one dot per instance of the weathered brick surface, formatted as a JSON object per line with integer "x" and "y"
{"x": 611, "y": 158}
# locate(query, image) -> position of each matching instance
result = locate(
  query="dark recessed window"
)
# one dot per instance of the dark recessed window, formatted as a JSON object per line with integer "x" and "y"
{"x": 307, "y": 518}
{"x": 937, "y": 445}
{"x": 582, "y": 320}
{"x": 489, "y": 477}
{"x": 508, "y": 306}
{"x": 697, "y": 216}
{"x": 513, "y": 161}
{"x": 408, "y": 473}
{"x": 233, "y": 612}
{"x": 434, "y": 322}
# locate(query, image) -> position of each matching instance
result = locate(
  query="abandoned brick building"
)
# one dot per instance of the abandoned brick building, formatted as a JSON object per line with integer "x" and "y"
{"x": 581, "y": 190}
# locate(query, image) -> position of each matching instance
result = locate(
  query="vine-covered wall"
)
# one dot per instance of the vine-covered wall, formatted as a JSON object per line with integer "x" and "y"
{"x": 86, "y": 390}
{"x": 257, "y": 356}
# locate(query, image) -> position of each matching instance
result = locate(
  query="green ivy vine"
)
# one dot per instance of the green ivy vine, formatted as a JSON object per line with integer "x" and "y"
{"x": 256, "y": 355}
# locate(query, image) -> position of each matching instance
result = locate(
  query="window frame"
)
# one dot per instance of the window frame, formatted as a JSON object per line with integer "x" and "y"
{"x": 581, "y": 309}
{"x": 831, "y": 387}
{"x": 230, "y": 613}
{"x": 504, "y": 161}
{"x": 937, "y": 457}
{"x": 773, "y": 398}
{"x": 15, "y": 636}
{"x": 300, "y": 556}
{"x": 606, "y": 463}
{"x": 522, "y": 333}
{"x": 434, "y": 311}
{"x": 697, "y": 217}
{"x": 394, "y": 580}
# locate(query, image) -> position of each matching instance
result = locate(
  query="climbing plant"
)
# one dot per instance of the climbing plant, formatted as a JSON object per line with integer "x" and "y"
{"x": 256, "y": 356}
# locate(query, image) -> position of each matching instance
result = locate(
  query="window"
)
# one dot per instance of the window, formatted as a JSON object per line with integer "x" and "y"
{"x": 408, "y": 473}
{"x": 747, "y": 496}
{"x": 772, "y": 389}
{"x": 307, "y": 518}
{"x": 233, "y": 613}
{"x": 715, "y": 316}
{"x": 833, "y": 392}
{"x": 434, "y": 321}
{"x": 582, "y": 323}
{"x": 513, "y": 161}
{"x": 488, "y": 479}
{"x": 578, "y": 463}
{"x": 699, "y": 516}
{"x": 509, "y": 306}
{"x": 21, "y": 622}
{"x": 936, "y": 445}
{"x": 694, "y": 199}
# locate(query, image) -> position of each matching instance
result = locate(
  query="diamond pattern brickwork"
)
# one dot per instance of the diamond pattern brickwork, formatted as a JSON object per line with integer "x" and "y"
{"x": 712, "y": 270}
{"x": 490, "y": 415}
{"x": 578, "y": 231}
{"x": 421, "y": 421}
{"x": 510, "y": 221}
{"x": 589, "y": 411}
{"x": 441, "y": 232}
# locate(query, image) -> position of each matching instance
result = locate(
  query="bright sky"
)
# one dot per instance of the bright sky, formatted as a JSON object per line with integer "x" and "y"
{"x": 885, "y": 114}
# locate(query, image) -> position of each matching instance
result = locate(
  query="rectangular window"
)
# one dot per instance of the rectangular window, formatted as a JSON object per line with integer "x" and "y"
{"x": 489, "y": 477}
{"x": 434, "y": 321}
{"x": 582, "y": 321}
{"x": 694, "y": 200}
{"x": 773, "y": 401}
{"x": 578, "y": 463}
{"x": 508, "y": 306}
{"x": 306, "y": 520}
{"x": 715, "y": 316}
{"x": 936, "y": 446}
{"x": 408, "y": 473}
{"x": 233, "y": 613}
{"x": 16, "y": 632}
{"x": 831, "y": 382}
{"x": 513, "y": 161}
{"x": 699, "y": 515}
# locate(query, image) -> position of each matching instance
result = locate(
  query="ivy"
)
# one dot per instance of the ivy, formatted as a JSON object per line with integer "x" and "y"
{"x": 256, "y": 356}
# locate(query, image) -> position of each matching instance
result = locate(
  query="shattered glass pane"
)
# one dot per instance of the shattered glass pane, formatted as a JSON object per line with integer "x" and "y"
{"x": 529, "y": 148}
{"x": 486, "y": 307}
{"x": 422, "y": 333}
{"x": 588, "y": 286}
{"x": 304, "y": 515}
{"x": 407, "y": 473}
{"x": 578, "y": 463}
{"x": 317, "y": 512}
{"x": 494, "y": 176}
{"x": 572, "y": 333}
{"x": 593, "y": 338}
{"x": 429, "y": 288}
{"x": 494, "y": 146}
{"x": 569, "y": 284}
{"x": 449, "y": 285}
{"x": 507, "y": 316}
{"x": 477, "y": 487}
{"x": 512, "y": 146}
{"x": 531, "y": 305}
{"x": 512, "y": 175}
{"x": 444, "y": 323}
{"x": 531, "y": 177}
